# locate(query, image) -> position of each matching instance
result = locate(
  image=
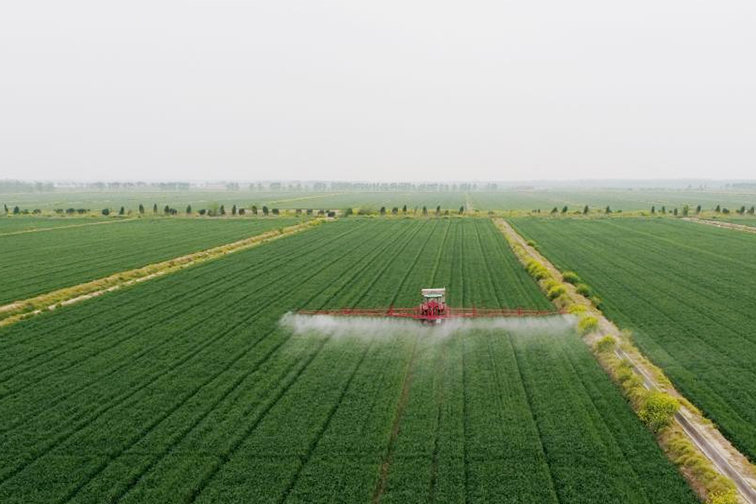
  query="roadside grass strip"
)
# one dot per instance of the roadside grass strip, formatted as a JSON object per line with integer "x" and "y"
{"x": 712, "y": 466}
{"x": 21, "y": 310}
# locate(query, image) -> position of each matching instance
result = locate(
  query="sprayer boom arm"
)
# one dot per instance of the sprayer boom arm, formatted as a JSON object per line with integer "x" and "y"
{"x": 416, "y": 313}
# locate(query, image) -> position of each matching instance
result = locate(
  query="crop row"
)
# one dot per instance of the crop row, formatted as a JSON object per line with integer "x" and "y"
{"x": 34, "y": 263}
{"x": 685, "y": 291}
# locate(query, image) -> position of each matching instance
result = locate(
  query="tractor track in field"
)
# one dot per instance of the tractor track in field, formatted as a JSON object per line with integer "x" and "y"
{"x": 439, "y": 401}
{"x": 528, "y": 394}
{"x": 18, "y": 310}
{"x": 721, "y": 224}
{"x": 710, "y": 442}
{"x": 401, "y": 406}
{"x": 324, "y": 426}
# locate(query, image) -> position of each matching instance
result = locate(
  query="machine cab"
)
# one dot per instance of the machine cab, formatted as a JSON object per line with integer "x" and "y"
{"x": 434, "y": 302}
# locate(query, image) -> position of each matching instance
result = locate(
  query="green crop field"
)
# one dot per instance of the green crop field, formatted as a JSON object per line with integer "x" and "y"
{"x": 504, "y": 199}
{"x": 188, "y": 388}
{"x": 34, "y": 263}
{"x": 24, "y": 223}
{"x": 686, "y": 290}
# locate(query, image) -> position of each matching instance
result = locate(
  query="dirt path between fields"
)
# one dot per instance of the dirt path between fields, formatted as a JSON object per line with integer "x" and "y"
{"x": 720, "y": 224}
{"x": 55, "y": 228}
{"x": 20, "y": 310}
{"x": 701, "y": 432}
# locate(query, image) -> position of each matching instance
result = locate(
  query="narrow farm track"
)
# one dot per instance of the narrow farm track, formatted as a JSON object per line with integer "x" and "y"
{"x": 711, "y": 443}
{"x": 722, "y": 224}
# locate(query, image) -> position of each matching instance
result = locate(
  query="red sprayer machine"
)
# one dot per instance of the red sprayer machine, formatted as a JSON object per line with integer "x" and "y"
{"x": 433, "y": 309}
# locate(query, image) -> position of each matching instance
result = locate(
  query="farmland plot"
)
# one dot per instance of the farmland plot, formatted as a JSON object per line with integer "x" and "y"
{"x": 187, "y": 388}
{"x": 23, "y": 223}
{"x": 34, "y": 263}
{"x": 686, "y": 290}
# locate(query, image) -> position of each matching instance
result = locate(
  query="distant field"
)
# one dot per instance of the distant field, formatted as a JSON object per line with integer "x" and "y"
{"x": 744, "y": 221}
{"x": 545, "y": 200}
{"x": 25, "y": 223}
{"x": 687, "y": 292}
{"x": 187, "y": 389}
{"x": 34, "y": 263}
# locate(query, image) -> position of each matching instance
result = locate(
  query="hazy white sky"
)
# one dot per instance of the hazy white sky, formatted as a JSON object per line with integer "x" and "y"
{"x": 377, "y": 90}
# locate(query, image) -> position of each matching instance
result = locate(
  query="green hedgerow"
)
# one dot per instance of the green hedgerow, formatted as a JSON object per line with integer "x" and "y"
{"x": 605, "y": 344}
{"x": 583, "y": 290}
{"x": 658, "y": 409}
{"x": 729, "y": 496}
{"x": 577, "y": 309}
{"x": 571, "y": 277}
{"x": 587, "y": 325}
{"x": 556, "y": 291}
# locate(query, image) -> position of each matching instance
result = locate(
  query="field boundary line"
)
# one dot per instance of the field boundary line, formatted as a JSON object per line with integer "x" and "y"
{"x": 20, "y": 310}
{"x": 55, "y": 228}
{"x": 723, "y": 225}
{"x": 706, "y": 439}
